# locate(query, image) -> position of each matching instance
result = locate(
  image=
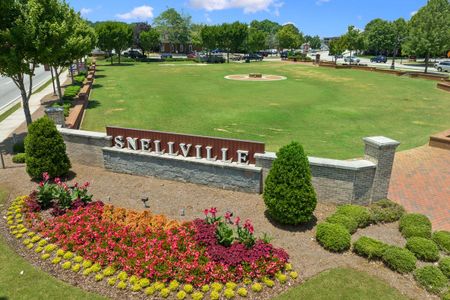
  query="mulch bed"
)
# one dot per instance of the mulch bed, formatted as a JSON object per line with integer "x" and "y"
{"x": 170, "y": 197}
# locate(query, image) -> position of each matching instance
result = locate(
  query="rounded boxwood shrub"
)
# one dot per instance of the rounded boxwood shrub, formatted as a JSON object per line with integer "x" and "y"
{"x": 431, "y": 278}
{"x": 415, "y": 225}
{"x": 19, "y": 158}
{"x": 399, "y": 259}
{"x": 288, "y": 193}
{"x": 343, "y": 220}
{"x": 444, "y": 265}
{"x": 359, "y": 213}
{"x": 370, "y": 248}
{"x": 333, "y": 237}
{"x": 45, "y": 150}
{"x": 442, "y": 239}
{"x": 424, "y": 249}
{"x": 385, "y": 211}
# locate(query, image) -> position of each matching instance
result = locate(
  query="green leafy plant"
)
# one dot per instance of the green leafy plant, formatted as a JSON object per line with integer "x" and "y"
{"x": 424, "y": 249}
{"x": 356, "y": 212}
{"x": 288, "y": 193}
{"x": 444, "y": 265}
{"x": 45, "y": 150}
{"x": 415, "y": 225}
{"x": 399, "y": 259}
{"x": 224, "y": 234}
{"x": 370, "y": 248}
{"x": 431, "y": 278}
{"x": 333, "y": 237}
{"x": 71, "y": 92}
{"x": 19, "y": 158}
{"x": 442, "y": 239}
{"x": 385, "y": 211}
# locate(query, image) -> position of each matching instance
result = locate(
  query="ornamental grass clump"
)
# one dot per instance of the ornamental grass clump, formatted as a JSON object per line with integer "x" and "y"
{"x": 415, "y": 225}
{"x": 288, "y": 192}
{"x": 431, "y": 278}
{"x": 385, "y": 211}
{"x": 399, "y": 259}
{"x": 370, "y": 248}
{"x": 424, "y": 249}
{"x": 45, "y": 150}
{"x": 333, "y": 237}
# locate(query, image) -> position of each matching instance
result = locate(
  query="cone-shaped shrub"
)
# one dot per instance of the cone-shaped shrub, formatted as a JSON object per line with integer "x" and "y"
{"x": 45, "y": 150}
{"x": 288, "y": 192}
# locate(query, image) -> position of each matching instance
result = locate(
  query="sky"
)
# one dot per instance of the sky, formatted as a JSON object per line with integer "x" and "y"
{"x": 314, "y": 17}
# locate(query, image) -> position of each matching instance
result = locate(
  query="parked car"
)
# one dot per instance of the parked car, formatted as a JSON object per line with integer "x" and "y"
{"x": 192, "y": 55}
{"x": 443, "y": 66}
{"x": 284, "y": 54}
{"x": 134, "y": 54}
{"x": 166, "y": 55}
{"x": 379, "y": 59}
{"x": 212, "y": 59}
{"x": 339, "y": 56}
{"x": 352, "y": 59}
{"x": 263, "y": 53}
{"x": 252, "y": 56}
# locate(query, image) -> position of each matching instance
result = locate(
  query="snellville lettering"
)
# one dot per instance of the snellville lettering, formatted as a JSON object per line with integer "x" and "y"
{"x": 182, "y": 149}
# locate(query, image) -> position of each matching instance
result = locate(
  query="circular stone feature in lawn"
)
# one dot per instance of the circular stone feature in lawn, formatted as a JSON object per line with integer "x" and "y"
{"x": 255, "y": 77}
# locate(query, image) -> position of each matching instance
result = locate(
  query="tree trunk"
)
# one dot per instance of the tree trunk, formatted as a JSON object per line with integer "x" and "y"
{"x": 394, "y": 54}
{"x": 58, "y": 86}
{"x": 119, "y": 57}
{"x": 228, "y": 56}
{"x": 111, "y": 58}
{"x": 427, "y": 58}
{"x": 19, "y": 81}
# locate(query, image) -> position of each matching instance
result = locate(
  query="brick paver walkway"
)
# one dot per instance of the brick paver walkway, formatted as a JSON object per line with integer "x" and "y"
{"x": 421, "y": 183}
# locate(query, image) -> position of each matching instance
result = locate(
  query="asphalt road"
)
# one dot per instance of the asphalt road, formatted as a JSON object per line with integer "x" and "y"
{"x": 9, "y": 91}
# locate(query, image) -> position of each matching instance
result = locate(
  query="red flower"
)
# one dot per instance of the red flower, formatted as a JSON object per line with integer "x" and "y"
{"x": 57, "y": 180}
{"x": 206, "y": 211}
{"x": 213, "y": 211}
{"x": 45, "y": 176}
{"x": 237, "y": 220}
{"x": 248, "y": 225}
{"x": 228, "y": 216}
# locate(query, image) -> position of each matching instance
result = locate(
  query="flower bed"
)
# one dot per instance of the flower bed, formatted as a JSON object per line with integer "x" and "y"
{"x": 148, "y": 253}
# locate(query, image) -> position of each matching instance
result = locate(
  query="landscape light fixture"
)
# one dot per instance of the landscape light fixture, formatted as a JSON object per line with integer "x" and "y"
{"x": 144, "y": 200}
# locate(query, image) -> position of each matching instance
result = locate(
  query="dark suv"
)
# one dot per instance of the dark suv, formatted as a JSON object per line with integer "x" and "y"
{"x": 379, "y": 59}
{"x": 134, "y": 54}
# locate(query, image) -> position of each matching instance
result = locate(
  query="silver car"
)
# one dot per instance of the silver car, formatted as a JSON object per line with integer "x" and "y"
{"x": 352, "y": 59}
{"x": 443, "y": 66}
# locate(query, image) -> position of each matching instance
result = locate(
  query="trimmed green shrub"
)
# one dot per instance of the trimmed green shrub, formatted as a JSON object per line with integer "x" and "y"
{"x": 333, "y": 237}
{"x": 343, "y": 220}
{"x": 66, "y": 105}
{"x": 359, "y": 213}
{"x": 78, "y": 80}
{"x": 446, "y": 296}
{"x": 370, "y": 248}
{"x": 385, "y": 211}
{"x": 19, "y": 158}
{"x": 415, "y": 225}
{"x": 431, "y": 278}
{"x": 71, "y": 92}
{"x": 444, "y": 265}
{"x": 424, "y": 249}
{"x": 399, "y": 259}
{"x": 45, "y": 150}
{"x": 19, "y": 147}
{"x": 442, "y": 239}
{"x": 288, "y": 193}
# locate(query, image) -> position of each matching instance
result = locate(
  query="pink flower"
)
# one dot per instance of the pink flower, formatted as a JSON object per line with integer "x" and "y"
{"x": 86, "y": 184}
{"x": 213, "y": 211}
{"x": 206, "y": 211}
{"x": 248, "y": 225}
{"x": 41, "y": 184}
{"x": 228, "y": 216}
{"x": 237, "y": 220}
{"x": 45, "y": 176}
{"x": 57, "y": 180}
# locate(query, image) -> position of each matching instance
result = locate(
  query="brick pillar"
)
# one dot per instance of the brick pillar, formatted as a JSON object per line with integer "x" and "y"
{"x": 380, "y": 150}
{"x": 57, "y": 115}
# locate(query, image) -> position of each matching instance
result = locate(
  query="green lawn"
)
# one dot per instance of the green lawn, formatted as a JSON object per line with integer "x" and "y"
{"x": 10, "y": 111}
{"x": 329, "y": 111}
{"x": 32, "y": 283}
{"x": 340, "y": 284}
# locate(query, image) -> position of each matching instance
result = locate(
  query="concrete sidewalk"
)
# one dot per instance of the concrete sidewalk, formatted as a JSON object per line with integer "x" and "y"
{"x": 17, "y": 118}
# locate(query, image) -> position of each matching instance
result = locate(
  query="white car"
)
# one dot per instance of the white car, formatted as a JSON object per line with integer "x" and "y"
{"x": 443, "y": 66}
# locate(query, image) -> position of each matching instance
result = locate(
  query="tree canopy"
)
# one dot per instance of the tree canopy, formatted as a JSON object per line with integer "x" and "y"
{"x": 149, "y": 40}
{"x": 429, "y": 30}
{"x": 173, "y": 27}
{"x": 289, "y": 37}
{"x": 115, "y": 36}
